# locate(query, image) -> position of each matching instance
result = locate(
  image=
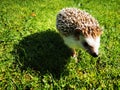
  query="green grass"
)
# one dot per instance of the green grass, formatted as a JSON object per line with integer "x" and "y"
{"x": 33, "y": 56}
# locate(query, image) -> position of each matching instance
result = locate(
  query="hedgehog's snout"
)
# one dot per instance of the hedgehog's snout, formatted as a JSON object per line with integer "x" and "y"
{"x": 91, "y": 45}
{"x": 94, "y": 54}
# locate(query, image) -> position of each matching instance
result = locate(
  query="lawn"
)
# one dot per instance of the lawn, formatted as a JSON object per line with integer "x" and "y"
{"x": 33, "y": 56}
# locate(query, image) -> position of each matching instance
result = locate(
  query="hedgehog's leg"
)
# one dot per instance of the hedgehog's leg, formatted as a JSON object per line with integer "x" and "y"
{"x": 74, "y": 55}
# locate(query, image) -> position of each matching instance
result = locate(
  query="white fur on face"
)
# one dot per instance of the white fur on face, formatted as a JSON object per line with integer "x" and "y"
{"x": 93, "y": 42}
{"x": 91, "y": 47}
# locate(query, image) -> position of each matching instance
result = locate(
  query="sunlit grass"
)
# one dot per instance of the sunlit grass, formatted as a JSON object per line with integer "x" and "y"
{"x": 34, "y": 57}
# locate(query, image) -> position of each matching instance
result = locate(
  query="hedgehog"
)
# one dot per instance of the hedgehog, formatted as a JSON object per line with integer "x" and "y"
{"x": 79, "y": 29}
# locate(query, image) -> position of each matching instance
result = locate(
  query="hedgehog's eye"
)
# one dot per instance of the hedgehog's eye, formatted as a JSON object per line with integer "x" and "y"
{"x": 85, "y": 44}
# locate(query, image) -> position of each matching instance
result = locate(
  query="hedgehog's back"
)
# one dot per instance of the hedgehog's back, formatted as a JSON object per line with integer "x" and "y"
{"x": 70, "y": 19}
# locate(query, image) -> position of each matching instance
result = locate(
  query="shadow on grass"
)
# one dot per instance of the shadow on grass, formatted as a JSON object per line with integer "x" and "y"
{"x": 44, "y": 52}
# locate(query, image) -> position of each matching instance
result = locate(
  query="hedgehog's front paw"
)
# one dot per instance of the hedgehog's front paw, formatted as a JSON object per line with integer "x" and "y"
{"x": 74, "y": 55}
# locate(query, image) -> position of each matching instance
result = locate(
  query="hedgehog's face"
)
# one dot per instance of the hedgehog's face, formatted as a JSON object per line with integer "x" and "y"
{"x": 91, "y": 45}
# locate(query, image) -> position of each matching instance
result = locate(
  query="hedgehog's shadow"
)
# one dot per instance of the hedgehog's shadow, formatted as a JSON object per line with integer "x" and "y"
{"x": 44, "y": 52}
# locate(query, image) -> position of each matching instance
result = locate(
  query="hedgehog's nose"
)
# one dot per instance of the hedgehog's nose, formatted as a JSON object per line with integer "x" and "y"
{"x": 94, "y": 54}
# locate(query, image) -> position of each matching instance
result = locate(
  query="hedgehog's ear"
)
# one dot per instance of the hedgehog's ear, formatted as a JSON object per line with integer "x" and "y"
{"x": 100, "y": 31}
